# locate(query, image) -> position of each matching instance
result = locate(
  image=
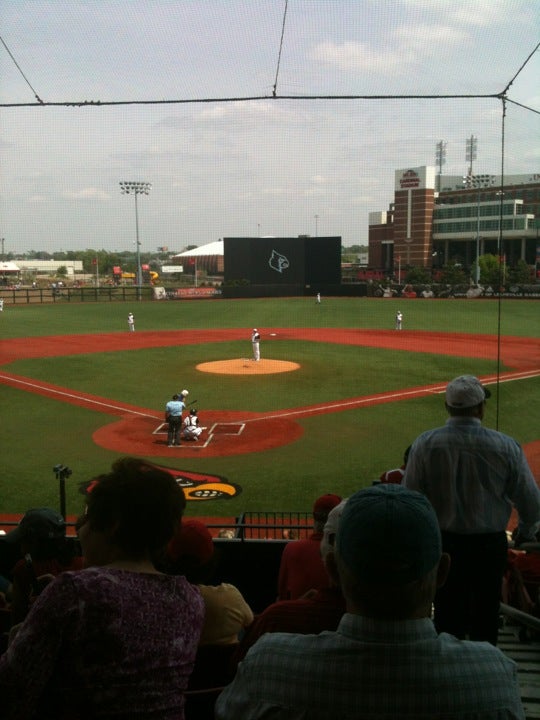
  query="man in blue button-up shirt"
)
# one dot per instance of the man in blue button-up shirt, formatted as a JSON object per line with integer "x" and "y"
{"x": 474, "y": 477}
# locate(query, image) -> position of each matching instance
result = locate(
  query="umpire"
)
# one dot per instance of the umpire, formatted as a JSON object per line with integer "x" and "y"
{"x": 173, "y": 416}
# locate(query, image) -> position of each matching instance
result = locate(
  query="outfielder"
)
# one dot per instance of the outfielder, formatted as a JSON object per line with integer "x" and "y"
{"x": 399, "y": 320}
{"x": 255, "y": 342}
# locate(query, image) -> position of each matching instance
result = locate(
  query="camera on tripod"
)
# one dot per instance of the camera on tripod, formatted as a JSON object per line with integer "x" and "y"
{"x": 62, "y": 471}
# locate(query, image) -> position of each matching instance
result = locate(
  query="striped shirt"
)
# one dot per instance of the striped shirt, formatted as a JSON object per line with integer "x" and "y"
{"x": 473, "y": 476}
{"x": 370, "y": 670}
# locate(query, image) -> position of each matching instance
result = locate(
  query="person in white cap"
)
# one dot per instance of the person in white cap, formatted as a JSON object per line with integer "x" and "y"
{"x": 385, "y": 659}
{"x": 255, "y": 342}
{"x": 474, "y": 477}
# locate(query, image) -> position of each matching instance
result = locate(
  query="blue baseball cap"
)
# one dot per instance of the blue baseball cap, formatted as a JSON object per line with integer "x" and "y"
{"x": 388, "y": 535}
{"x": 40, "y": 523}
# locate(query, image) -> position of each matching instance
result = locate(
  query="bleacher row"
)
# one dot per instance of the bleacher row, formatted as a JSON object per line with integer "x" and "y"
{"x": 250, "y": 560}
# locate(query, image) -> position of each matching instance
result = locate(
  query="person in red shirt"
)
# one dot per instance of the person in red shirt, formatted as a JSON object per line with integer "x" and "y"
{"x": 316, "y": 611}
{"x": 301, "y": 568}
{"x": 396, "y": 475}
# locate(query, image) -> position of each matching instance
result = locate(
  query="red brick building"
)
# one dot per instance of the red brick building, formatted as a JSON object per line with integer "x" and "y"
{"x": 424, "y": 226}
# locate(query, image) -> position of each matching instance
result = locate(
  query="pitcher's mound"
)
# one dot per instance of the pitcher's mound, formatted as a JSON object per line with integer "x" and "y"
{"x": 246, "y": 366}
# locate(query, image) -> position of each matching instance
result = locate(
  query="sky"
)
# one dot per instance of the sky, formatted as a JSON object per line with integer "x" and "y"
{"x": 253, "y": 145}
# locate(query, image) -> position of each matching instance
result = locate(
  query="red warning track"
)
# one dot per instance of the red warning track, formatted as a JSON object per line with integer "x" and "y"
{"x": 134, "y": 430}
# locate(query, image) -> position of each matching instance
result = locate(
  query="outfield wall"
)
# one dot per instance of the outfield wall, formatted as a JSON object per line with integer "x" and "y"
{"x": 239, "y": 290}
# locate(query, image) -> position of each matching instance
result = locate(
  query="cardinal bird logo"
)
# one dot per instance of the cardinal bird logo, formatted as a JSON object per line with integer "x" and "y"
{"x": 278, "y": 262}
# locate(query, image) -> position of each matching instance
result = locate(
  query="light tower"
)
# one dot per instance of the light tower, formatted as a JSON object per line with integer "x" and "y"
{"x": 136, "y": 188}
{"x": 440, "y": 159}
{"x": 478, "y": 182}
{"x": 471, "y": 145}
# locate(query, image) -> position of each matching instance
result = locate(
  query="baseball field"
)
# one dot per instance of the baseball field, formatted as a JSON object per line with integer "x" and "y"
{"x": 336, "y": 398}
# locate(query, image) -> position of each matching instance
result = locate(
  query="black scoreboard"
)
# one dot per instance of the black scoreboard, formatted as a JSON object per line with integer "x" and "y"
{"x": 283, "y": 261}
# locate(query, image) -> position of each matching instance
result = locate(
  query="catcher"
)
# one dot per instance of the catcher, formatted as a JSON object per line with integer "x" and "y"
{"x": 191, "y": 429}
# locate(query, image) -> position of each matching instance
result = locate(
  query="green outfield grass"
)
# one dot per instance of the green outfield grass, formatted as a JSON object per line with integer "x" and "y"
{"x": 517, "y": 317}
{"x": 338, "y": 452}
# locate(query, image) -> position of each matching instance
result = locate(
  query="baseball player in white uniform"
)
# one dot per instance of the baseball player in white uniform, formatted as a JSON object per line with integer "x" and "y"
{"x": 255, "y": 342}
{"x": 399, "y": 320}
{"x": 191, "y": 429}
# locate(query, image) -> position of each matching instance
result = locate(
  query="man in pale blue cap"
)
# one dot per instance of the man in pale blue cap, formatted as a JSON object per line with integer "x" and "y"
{"x": 385, "y": 660}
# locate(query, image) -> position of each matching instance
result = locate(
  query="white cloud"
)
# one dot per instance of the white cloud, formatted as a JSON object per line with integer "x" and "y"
{"x": 428, "y": 39}
{"x": 90, "y": 193}
{"x": 478, "y": 13}
{"x": 484, "y": 13}
{"x": 314, "y": 192}
{"x": 359, "y": 57}
{"x": 258, "y": 111}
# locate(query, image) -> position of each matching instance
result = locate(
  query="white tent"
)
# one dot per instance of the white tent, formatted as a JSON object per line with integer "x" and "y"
{"x": 213, "y": 248}
{"x": 207, "y": 257}
{"x": 9, "y": 267}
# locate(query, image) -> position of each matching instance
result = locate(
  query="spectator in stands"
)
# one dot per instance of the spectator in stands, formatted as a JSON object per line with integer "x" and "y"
{"x": 191, "y": 553}
{"x": 9, "y": 555}
{"x": 316, "y": 611}
{"x": 45, "y": 553}
{"x": 521, "y": 587}
{"x": 117, "y": 639}
{"x": 396, "y": 475}
{"x": 301, "y": 567}
{"x": 386, "y": 658}
{"x": 227, "y": 533}
{"x": 473, "y": 476}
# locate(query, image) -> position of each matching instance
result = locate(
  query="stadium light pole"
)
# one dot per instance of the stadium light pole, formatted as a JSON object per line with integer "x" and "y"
{"x": 136, "y": 188}
{"x": 440, "y": 159}
{"x": 478, "y": 182}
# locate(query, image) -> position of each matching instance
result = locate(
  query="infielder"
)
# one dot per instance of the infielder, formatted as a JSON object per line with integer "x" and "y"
{"x": 255, "y": 342}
